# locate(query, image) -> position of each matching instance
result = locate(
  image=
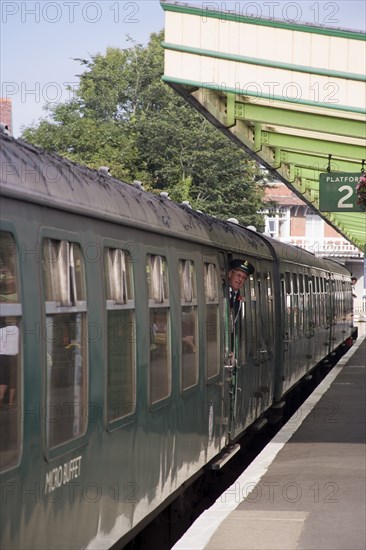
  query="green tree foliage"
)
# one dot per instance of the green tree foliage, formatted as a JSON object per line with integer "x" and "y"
{"x": 124, "y": 116}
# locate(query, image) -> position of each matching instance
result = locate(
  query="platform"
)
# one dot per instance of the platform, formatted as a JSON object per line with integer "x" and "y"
{"x": 306, "y": 490}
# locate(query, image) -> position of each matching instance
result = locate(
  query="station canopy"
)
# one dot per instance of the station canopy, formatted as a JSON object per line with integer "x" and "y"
{"x": 292, "y": 95}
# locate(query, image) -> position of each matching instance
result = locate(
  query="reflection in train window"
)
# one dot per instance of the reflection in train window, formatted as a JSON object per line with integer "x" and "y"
{"x": 212, "y": 321}
{"x": 66, "y": 348}
{"x": 188, "y": 293}
{"x": 10, "y": 354}
{"x": 159, "y": 322}
{"x": 121, "y": 382}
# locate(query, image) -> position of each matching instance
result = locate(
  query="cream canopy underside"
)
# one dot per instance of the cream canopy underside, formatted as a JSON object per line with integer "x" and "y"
{"x": 293, "y": 96}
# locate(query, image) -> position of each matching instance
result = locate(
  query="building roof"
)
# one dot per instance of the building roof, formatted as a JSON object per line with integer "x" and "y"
{"x": 283, "y": 195}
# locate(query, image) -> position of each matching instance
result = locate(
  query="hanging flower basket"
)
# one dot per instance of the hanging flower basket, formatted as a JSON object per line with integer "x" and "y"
{"x": 361, "y": 192}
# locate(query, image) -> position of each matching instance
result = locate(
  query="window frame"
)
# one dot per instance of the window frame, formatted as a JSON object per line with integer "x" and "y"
{"x": 206, "y": 261}
{"x": 164, "y": 303}
{"x": 15, "y": 309}
{"x": 124, "y": 305}
{"x": 194, "y": 304}
{"x": 54, "y": 309}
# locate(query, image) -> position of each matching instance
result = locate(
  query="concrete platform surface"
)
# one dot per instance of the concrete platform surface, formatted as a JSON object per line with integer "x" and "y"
{"x": 307, "y": 489}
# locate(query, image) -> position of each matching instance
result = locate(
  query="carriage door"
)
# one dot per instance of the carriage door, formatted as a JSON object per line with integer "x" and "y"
{"x": 328, "y": 311}
{"x": 287, "y": 316}
{"x": 215, "y": 403}
{"x": 230, "y": 362}
{"x": 264, "y": 358}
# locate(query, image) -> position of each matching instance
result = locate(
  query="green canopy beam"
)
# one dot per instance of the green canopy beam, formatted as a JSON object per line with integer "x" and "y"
{"x": 312, "y": 145}
{"x": 319, "y": 163}
{"x": 339, "y": 126}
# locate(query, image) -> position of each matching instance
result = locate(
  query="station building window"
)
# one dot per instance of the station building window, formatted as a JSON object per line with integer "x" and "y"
{"x": 120, "y": 304}
{"x": 66, "y": 341}
{"x": 10, "y": 351}
{"x": 159, "y": 323}
{"x": 188, "y": 293}
{"x": 212, "y": 321}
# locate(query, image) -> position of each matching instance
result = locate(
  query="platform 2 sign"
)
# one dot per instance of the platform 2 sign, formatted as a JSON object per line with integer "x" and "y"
{"x": 337, "y": 192}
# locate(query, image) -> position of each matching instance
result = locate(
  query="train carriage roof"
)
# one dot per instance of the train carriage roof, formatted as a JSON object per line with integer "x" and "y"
{"x": 296, "y": 255}
{"x": 32, "y": 174}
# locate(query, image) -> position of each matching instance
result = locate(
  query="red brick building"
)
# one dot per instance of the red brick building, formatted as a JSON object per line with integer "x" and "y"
{"x": 290, "y": 220}
{"x": 6, "y": 114}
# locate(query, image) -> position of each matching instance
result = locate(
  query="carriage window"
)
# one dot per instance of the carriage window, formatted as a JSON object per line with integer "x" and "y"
{"x": 319, "y": 300}
{"x": 289, "y": 310}
{"x": 301, "y": 283}
{"x": 159, "y": 322}
{"x": 253, "y": 301}
{"x": 333, "y": 299}
{"x": 121, "y": 383}
{"x": 243, "y": 350}
{"x": 212, "y": 321}
{"x": 314, "y": 302}
{"x": 243, "y": 327}
{"x": 343, "y": 301}
{"x": 338, "y": 295}
{"x": 66, "y": 349}
{"x": 288, "y": 282}
{"x": 270, "y": 306}
{"x": 10, "y": 351}
{"x": 294, "y": 283}
{"x": 187, "y": 278}
{"x": 322, "y": 300}
{"x": 313, "y": 283}
{"x": 295, "y": 305}
{"x": 301, "y": 304}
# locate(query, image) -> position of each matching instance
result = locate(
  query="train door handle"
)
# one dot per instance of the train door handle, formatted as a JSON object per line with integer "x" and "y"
{"x": 229, "y": 367}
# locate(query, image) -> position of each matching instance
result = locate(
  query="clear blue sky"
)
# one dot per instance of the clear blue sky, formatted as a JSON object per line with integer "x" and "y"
{"x": 39, "y": 39}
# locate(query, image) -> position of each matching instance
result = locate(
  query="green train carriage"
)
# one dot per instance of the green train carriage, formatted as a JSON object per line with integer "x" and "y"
{"x": 114, "y": 320}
